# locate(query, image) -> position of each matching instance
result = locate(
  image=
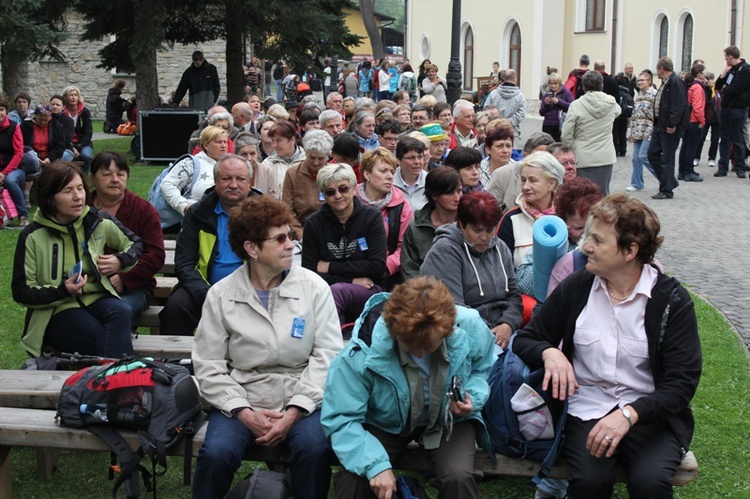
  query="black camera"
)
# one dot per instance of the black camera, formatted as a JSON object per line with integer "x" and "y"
{"x": 456, "y": 393}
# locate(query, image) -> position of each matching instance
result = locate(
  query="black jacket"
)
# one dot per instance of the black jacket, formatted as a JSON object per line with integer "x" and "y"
{"x": 673, "y": 343}
{"x": 611, "y": 87}
{"x": 115, "y": 105}
{"x": 203, "y": 84}
{"x": 68, "y": 126}
{"x": 84, "y": 129}
{"x": 735, "y": 95}
{"x": 56, "y": 138}
{"x": 673, "y": 105}
{"x": 327, "y": 239}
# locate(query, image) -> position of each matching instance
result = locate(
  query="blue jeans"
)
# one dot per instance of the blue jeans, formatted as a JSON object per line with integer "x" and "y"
{"x": 102, "y": 328}
{"x": 279, "y": 91}
{"x": 137, "y": 299}
{"x": 14, "y": 182}
{"x": 732, "y": 121}
{"x": 30, "y": 162}
{"x": 67, "y": 156}
{"x": 227, "y": 440}
{"x": 86, "y": 154}
{"x": 640, "y": 159}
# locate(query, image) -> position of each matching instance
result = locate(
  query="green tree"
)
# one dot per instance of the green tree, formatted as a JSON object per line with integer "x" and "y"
{"x": 31, "y": 29}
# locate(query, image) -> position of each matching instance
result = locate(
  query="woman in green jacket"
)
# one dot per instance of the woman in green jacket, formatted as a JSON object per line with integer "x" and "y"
{"x": 61, "y": 272}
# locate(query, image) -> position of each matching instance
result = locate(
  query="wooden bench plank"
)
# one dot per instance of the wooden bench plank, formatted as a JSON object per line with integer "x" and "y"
{"x": 167, "y": 347}
{"x": 31, "y": 389}
{"x": 164, "y": 285}
{"x": 168, "y": 267}
{"x": 170, "y": 244}
{"x": 149, "y": 318}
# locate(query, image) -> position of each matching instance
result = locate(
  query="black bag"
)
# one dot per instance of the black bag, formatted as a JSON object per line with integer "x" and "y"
{"x": 159, "y": 400}
{"x": 261, "y": 484}
{"x": 627, "y": 104}
{"x": 506, "y": 376}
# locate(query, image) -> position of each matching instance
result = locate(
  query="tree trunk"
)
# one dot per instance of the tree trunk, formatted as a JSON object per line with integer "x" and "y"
{"x": 368, "y": 18}
{"x": 234, "y": 52}
{"x": 143, "y": 54}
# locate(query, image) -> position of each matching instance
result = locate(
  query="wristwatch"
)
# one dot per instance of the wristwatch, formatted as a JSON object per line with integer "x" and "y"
{"x": 626, "y": 413}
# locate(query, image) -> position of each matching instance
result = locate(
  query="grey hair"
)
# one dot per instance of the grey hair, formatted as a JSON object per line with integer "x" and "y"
{"x": 360, "y": 116}
{"x": 328, "y": 115}
{"x": 336, "y": 172}
{"x": 459, "y": 106}
{"x": 593, "y": 80}
{"x": 585, "y": 60}
{"x": 245, "y": 139}
{"x": 536, "y": 140}
{"x": 364, "y": 102}
{"x": 309, "y": 98}
{"x": 543, "y": 160}
{"x": 317, "y": 141}
{"x": 332, "y": 95}
{"x": 229, "y": 157}
{"x": 263, "y": 119}
{"x": 221, "y": 116}
{"x": 278, "y": 112}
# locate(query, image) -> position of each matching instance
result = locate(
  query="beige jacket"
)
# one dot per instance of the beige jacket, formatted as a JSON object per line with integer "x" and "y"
{"x": 247, "y": 356}
{"x": 588, "y": 129}
{"x": 272, "y": 172}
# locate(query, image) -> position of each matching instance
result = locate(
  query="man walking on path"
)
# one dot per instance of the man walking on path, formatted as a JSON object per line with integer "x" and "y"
{"x": 202, "y": 81}
{"x": 671, "y": 116}
{"x": 734, "y": 85}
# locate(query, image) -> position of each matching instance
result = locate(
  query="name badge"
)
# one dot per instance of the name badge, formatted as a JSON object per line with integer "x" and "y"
{"x": 362, "y": 243}
{"x": 321, "y": 197}
{"x": 298, "y": 327}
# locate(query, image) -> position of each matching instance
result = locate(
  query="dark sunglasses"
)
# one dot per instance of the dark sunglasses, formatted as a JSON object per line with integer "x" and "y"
{"x": 343, "y": 189}
{"x": 281, "y": 238}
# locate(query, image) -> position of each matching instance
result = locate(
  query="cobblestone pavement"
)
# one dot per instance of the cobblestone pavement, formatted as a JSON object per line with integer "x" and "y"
{"x": 706, "y": 232}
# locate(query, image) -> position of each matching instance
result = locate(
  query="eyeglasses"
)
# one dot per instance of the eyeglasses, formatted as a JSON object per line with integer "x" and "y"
{"x": 569, "y": 162}
{"x": 343, "y": 189}
{"x": 281, "y": 238}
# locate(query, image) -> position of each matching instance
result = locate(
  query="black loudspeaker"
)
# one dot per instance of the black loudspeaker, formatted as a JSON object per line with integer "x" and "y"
{"x": 165, "y": 133}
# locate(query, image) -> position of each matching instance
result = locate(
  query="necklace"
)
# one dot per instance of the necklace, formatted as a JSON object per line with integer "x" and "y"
{"x": 615, "y": 297}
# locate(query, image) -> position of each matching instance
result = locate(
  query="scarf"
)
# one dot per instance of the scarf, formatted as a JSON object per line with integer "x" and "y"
{"x": 375, "y": 204}
{"x": 536, "y": 214}
{"x": 290, "y": 160}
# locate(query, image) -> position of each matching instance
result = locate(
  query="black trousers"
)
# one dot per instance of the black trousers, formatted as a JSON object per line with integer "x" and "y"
{"x": 181, "y": 315}
{"x": 650, "y": 453}
{"x": 661, "y": 155}
{"x": 620, "y": 136}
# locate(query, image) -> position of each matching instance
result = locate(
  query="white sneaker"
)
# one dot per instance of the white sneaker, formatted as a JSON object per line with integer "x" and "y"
{"x": 696, "y": 162}
{"x": 711, "y": 163}
{"x": 630, "y": 188}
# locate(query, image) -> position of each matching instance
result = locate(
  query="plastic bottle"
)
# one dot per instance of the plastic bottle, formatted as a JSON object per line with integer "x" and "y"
{"x": 99, "y": 411}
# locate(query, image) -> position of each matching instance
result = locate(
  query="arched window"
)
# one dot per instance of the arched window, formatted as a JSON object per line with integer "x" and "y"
{"x": 687, "y": 43}
{"x": 595, "y": 15}
{"x": 663, "y": 37}
{"x": 424, "y": 47}
{"x": 468, "y": 62}
{"x": 514, "y": 51}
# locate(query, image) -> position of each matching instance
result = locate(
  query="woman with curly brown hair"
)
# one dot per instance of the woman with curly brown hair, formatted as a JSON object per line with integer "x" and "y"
{"x": 389, "y": 387}
{"x": 262, "y": 350}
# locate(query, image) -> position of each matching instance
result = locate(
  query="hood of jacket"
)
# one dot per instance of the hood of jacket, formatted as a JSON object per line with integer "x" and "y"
{"x": 598, "y": 104}
{"x": 508, "y": 91}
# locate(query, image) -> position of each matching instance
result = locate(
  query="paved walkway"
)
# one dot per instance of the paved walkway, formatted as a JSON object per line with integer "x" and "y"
{"x": 706, "y": 231}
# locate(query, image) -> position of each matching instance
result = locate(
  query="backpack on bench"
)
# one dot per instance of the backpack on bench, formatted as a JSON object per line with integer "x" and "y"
{"x": 507, "y": 375}
{"x": 159, "y": 400}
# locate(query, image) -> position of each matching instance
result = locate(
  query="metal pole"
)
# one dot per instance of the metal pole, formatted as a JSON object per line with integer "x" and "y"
{"x": 334, "y": 74}
{"x": 454, "y": 66}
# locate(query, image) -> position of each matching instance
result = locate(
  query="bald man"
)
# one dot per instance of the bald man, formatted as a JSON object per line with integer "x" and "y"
{"x": 242, "y": 113}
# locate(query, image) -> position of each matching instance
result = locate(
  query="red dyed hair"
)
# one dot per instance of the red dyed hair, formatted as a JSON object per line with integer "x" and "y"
{"x": 577, "y": 195}
{"x": 479, "y": 208}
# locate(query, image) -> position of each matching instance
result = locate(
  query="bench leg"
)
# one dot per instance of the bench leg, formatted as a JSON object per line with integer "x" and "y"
{"x": 46, "y": 462}
{"x": 6, "y": 491}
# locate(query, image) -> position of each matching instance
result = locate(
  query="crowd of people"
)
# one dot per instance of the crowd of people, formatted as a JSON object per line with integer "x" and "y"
{"x": 412, "y": 222}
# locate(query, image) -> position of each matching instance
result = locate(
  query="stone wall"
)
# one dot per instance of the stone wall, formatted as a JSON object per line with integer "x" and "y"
{"x": 42, "y": 79}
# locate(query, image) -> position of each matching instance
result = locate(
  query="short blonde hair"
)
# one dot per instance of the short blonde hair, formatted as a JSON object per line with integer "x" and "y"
{"x": 211, "y": 133}
{"x": 278, "y": 112}
{"x": 335, "y": 172}
{"x": 371, "y": 158}
{"x": 428, "y": 100}
{"x": 555, "y": 78}
{"x": 69, "y": 89}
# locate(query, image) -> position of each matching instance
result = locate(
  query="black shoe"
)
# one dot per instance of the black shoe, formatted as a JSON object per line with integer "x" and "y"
{"x": 661, "y": 195}
{"x": 720, "y": 173}
{"x": 741, "y": 174}
{"x": 693, "y": 177}
{"x": 680, "y": 177}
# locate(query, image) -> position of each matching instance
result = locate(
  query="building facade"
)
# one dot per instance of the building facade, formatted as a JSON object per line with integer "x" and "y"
{"x": 529, "y": 36}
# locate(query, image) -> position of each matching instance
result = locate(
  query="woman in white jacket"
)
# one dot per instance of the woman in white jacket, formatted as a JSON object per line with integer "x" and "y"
{"x": 179, "y": 189}
{"x": 268, "y": 334}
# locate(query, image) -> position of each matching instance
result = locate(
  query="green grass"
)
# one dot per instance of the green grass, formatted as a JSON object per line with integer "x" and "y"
{"x": 721, "y": 406}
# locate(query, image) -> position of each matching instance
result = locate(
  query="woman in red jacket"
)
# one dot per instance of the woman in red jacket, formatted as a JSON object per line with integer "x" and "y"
{"x": 696, "y": 103}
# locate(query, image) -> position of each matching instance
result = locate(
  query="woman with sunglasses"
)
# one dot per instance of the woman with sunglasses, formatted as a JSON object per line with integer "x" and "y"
{"x": 345, "y": 242}
{"x": 262, "y": 350}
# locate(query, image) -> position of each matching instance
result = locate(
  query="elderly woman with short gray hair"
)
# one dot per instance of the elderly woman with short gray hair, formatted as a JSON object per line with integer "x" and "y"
{"x": 345, "y": 242}
{"x": 541, "y": 174}
{"x": 301, "y": 193}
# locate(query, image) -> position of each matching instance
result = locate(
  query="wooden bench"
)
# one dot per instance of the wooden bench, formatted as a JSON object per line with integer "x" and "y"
{"x": 28, "y": 399}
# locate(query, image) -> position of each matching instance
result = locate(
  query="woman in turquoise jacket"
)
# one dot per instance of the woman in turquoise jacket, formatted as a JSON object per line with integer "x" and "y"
{"x": 390, "y": 385}
{"x": 72, "y": 308}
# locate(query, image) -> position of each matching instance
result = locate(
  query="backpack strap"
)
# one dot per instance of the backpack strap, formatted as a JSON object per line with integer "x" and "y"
{"x": 579, "y": 259}
{"x": 554, "y": 452}
{"x": 394, "y": 226}
{"x": 129, "y": 461}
